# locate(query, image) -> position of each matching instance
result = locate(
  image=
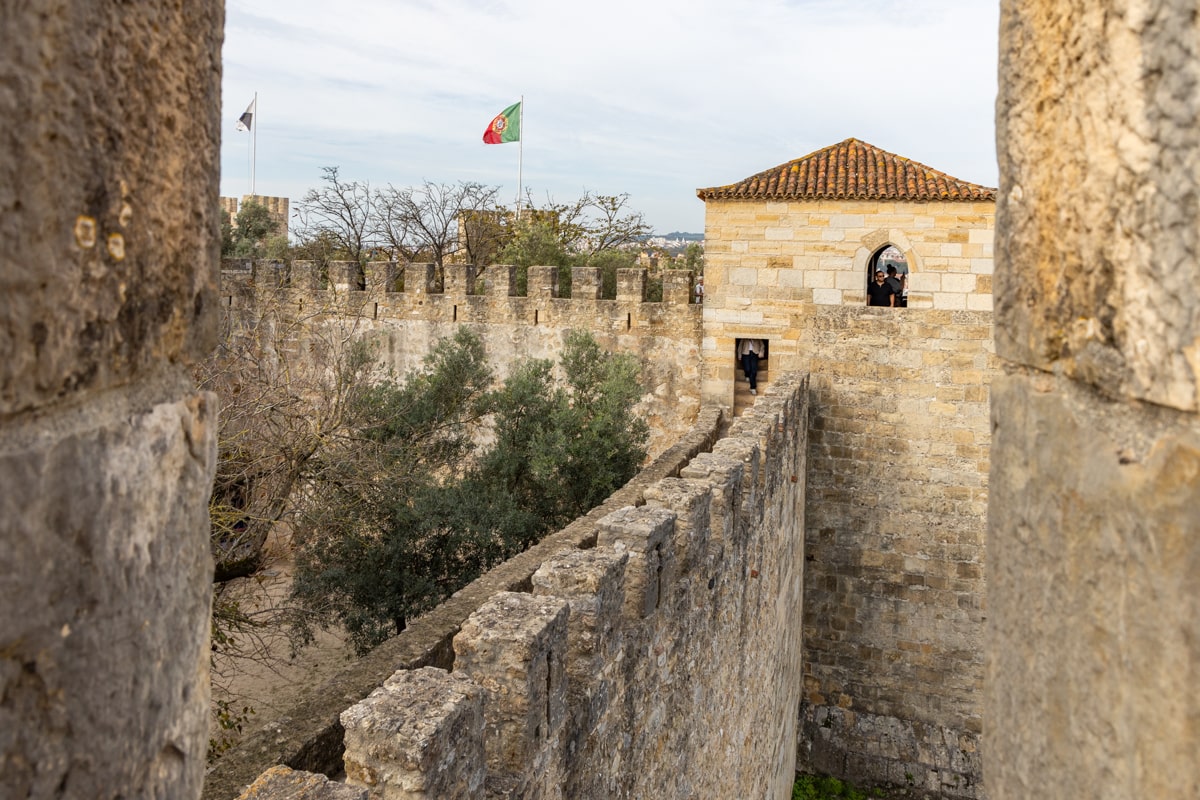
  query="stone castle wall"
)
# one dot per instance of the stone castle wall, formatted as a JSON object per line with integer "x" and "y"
{"x": 898, "y": 466}
{"x": 404, "y": 325}
{"x": 895, "y": 598}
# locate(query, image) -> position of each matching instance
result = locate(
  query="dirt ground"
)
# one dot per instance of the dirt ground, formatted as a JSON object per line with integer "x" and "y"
{"x": 267, "y": 675}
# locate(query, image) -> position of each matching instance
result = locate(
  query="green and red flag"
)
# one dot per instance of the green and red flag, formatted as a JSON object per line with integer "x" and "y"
{"x": 506, "y": 127}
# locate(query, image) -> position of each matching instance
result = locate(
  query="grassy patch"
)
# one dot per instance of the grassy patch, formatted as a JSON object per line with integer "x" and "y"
{"x": 820, "y": 787}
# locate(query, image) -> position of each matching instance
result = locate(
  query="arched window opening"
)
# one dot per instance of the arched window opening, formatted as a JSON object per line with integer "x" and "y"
{"x": 887, "y": 278}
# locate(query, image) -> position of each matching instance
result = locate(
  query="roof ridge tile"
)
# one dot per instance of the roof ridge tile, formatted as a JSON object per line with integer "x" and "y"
{"x": 853, "y": 170}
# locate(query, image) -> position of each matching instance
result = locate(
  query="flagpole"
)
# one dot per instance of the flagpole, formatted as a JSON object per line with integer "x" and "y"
{"x": 254, "y": 148}
{"x": 521, "y": 158}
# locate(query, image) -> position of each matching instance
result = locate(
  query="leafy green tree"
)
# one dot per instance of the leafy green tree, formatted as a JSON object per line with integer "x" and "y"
{"x": 371, "y": 551}
{"x": 564, "y": 449}
{"x": 414, "y": 509}
{"x": 253, "y": 234}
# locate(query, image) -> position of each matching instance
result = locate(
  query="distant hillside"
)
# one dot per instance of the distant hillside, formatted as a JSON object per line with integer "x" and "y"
{"x": 681, "y": 236}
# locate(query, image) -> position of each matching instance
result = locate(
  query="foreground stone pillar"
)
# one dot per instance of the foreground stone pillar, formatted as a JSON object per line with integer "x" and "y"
{"x": 418, "y": 737}
{"x": 1094, "y": 511}
{"x": 109, "y": 238}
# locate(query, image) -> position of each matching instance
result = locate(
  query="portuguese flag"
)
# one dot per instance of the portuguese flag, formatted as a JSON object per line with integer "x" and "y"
{"x": 506, "y": 127}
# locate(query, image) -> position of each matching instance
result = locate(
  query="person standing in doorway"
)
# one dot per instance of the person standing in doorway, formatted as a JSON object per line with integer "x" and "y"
{"x": 749, "y": 352}
{"x": 700, "y": 289}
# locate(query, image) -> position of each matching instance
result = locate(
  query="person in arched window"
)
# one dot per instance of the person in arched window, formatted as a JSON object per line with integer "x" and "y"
{"x": 880, "y": 292}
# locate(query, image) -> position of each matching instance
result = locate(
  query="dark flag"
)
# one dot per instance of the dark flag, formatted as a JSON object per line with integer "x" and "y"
{"x": 245, "y": 120}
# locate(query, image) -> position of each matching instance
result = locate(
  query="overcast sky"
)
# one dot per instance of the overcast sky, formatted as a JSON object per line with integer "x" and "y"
{"x": 654, "y": 98}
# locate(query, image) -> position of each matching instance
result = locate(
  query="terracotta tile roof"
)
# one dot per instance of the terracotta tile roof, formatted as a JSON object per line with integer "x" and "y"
{"x": 850, "y": 170}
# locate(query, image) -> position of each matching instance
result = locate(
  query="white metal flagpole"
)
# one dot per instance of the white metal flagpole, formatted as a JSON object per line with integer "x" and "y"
{"x": 521, "y": 157}
{"x": 254, "y": 125}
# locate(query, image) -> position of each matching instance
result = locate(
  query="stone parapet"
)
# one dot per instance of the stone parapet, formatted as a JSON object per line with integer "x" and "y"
{"x": 309, "y": 736}
{"x": 412, "y": 737}
{"x": 581, "y": 700}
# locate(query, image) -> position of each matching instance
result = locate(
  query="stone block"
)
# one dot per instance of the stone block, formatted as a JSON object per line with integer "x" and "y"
{"x": 499, "y": 280}
{"x": 593, "y": 581}
{"x": 691, "y": 503}
{"x": 828, "y": 297}
{"x": 282, "y": 783}
{"x": 1097, "y": 530}
{"x": 460, "y": 279}
{"x": 724, "y": 476}
{"x": 515, "y": 647}
{"x": 631, "y": 285}
{"x": 964, "y": 284}
{"x": 542, "y": 282}
{"x": 343, "y": 276}
{"x": 420, "y": 279}
{"x": 306, "y": 276}
{"x": 381, "y": 276}
{"x": 678, "y": 286}
{"x": 420, "y": 735}
{"x": 106, "y": 592}
{"x": 949, "y": 301}
{"x": 585, "y": 283}
{"x": 645, "y": 534}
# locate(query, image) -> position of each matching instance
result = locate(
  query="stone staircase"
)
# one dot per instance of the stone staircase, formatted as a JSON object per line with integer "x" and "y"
{"x": 742, "y": 399}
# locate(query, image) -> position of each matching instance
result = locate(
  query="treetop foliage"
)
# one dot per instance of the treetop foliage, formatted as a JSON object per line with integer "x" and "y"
{"x": 409, "y": 506}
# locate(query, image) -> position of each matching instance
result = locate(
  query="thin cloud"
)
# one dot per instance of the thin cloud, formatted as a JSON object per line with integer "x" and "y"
{"x": 652, "y": 97}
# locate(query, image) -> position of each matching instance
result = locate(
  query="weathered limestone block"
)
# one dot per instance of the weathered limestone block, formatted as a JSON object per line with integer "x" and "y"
{"x": 460, "y": 279}
{"x": 691, "y": 502}
{"x": 750, "y": 454}
{"x": 585, "y": 283}
{"x": 268, "y": 275}
{"x": 1093, "y": 595}
{"x": 306, "y": 276}
{"x": 420, "y": 279}
{"x": 105, "y": 593}
{"x": 593, "y": 583}
{"x": 381, "y": 276}
{"x": 418, "y": 737}
{"x": 110, "y": 240}
{"x": 281, "y": 783}
{"x": 631, "y": 285}
{"x": 1096, "y": 225}
{"x": 343, "y": 275}
{"x": 677, "y": 286}
{"x": 500, "y": 280}
{"x": 646, "y": 534}
{"x": 542, "y": 283}
{"x": 725, "y": 475}
{"x": 515, "y": 647}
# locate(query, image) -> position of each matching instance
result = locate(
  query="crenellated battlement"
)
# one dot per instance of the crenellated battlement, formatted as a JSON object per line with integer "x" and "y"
{"x": 662, "y": 622}
{"x": 398, "y": 288}
{"x": 406, "y": 309}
